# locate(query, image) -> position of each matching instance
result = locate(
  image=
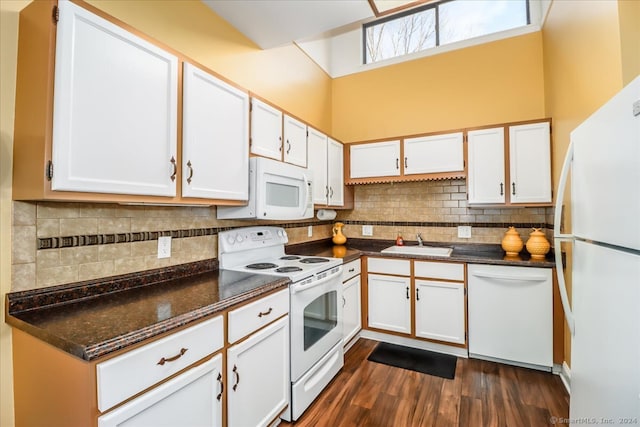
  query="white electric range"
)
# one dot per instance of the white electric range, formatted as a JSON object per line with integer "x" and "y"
{"x": 315, "y": 312}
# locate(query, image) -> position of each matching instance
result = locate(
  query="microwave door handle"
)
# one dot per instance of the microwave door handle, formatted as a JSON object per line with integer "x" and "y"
{"x": 306, "y": 194}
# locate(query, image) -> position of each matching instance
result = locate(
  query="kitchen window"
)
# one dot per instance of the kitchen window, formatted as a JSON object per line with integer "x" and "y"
{"x": 438, "y": 24}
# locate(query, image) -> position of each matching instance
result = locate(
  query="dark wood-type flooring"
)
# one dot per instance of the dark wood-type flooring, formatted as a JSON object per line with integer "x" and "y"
{"x": 481, "y": 394}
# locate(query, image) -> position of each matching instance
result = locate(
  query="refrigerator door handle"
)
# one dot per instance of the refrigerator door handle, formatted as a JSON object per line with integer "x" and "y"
{"x": 559, "y": 238}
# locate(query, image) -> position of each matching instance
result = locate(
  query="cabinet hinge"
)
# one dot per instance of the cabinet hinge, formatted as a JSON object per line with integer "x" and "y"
{"x": 55, "y": 15}
{"x": 49, "y": 171}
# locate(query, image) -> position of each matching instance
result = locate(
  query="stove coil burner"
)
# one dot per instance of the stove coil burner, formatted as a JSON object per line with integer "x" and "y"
{"x": 290, "y": 269}
{"x": 313, "y": 260}
{"x": 261, "y": 266}
{"x": 289, "y": 257}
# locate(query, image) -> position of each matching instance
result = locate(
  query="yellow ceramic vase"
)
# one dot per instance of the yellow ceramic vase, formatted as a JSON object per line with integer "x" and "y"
{"x": 511, "y": 242}
{"x": 538, "y": 245}
{"x": 338, "y": 237}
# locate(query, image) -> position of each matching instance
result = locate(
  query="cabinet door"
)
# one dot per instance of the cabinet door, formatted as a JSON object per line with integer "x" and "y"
{"x": 440, "y": 311}
{"x": 433, "y": 154}
{"x": 351, "y": 312}
{"x": 389, "y": 303}
{"x": 266, "y": 130}
{"x": 115, "y": 109}
{"x": 375, "y": 159}
{"x": 335, "y": 173}
{"x": 530, "y": 163}
{"x": 258, "y": 376}
{"x": 485, "y": 175}
{"x": 215, "y": 138}
{"x": 295, "y": 141}
{"x": 192, "y": 399}
{"x": 317, "y": 145}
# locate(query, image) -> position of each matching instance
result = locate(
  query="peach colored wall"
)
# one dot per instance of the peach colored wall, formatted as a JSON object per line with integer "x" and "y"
{"x": 492, "y": 83}
{"x": 629, "y": 15}
{"x": 284, "y": 76}
{"x": 582, "y": 70}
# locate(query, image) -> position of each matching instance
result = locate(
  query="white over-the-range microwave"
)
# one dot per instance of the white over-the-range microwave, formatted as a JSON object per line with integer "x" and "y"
{"x": 277, "y": 190}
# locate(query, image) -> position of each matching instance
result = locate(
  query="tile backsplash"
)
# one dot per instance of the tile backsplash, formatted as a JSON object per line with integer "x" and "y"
{"x": 57, "y": 243}
{"x": 434, "y": 209}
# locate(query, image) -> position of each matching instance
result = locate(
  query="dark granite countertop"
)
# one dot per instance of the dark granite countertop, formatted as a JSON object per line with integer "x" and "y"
{"x": 94, "y": 318}
{"x": 477, "y": 253}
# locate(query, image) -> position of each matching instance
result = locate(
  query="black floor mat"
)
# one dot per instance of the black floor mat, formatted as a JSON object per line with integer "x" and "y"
{"x": 427, "y": 362}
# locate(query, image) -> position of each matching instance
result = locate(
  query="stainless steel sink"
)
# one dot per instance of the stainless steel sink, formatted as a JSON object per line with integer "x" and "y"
{"x": 418, "y": 250}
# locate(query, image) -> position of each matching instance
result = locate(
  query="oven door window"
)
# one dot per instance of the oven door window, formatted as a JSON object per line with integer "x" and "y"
{"x": 320, "y": 317}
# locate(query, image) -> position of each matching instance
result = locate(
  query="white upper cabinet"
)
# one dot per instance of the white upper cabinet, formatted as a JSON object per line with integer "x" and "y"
{"x": 215, "y": 138}
{"x": 434, "y": 154}
{"x": 317, "y": 144}
{"x": 326, "y": 166}
{"x": 486, "y": 174}
{"x": 266, "y": 130}
{"x": 530, "y": 163}
{"x": 115, "y": 109}
{"x": 335, "y": 172}
{"x": 295, "y": 141}
{"x": 375, "y": 159}
{"x": 523, "y": 177}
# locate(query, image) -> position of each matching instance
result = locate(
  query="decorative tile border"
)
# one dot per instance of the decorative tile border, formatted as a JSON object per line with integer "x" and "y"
{"x": 142, "y": 236}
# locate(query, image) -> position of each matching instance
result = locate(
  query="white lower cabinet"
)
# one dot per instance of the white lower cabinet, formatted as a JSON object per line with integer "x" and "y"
{"x": 440, "y": 313}
{"x": 389, "y": 305}
{"x": 258, "y": 376}
{"x": 351, "y": 311}
{"x": 199, "y": 389}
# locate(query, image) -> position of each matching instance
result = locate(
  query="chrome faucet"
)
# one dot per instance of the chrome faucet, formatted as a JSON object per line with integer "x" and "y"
{"x": 419, "y": 238}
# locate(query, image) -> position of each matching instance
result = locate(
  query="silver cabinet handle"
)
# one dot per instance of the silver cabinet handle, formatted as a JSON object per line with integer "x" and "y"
{"x": 190, "y": 172}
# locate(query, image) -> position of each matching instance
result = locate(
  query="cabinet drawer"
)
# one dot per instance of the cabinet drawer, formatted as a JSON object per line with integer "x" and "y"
{"x": 439, "y": 270}
{"x": 350, "y": 269}
{"x": 400, "y": 267}
{"x": 257, "y": 314}
{"x": 130, "y": 373}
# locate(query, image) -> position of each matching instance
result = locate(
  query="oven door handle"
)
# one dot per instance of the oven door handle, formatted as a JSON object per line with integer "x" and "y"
{"x": 295, "y": 288}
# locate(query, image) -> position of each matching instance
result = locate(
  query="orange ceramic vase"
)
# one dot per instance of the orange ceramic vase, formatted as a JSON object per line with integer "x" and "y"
{"x": 338, "y": 237}
{"x": 511, "y": 242}
{"x": 538, "y": 245}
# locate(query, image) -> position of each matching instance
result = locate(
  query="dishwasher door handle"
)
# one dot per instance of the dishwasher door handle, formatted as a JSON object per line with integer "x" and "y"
{"x": 491, "y": 275}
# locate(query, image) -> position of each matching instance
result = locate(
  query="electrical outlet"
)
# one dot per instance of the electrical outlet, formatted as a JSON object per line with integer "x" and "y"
{"x": 367, "y": 230}
{"x": 164, "y": 247}
{"x": 310, "y": 231}
{"x": 464, "y": 231}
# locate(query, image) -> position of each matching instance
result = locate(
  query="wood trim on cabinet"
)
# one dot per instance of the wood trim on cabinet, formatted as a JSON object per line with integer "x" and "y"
{"x": 558, "y": 323}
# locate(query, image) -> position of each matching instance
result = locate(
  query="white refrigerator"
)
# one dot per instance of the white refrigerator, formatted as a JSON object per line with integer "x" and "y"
{"x": 603, "y": 160}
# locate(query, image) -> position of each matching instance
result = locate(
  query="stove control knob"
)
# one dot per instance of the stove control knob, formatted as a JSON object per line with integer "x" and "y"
{"x": 231, "y": 239}
{"x": 281, "y": 233}
{"x": 239, "y": 238}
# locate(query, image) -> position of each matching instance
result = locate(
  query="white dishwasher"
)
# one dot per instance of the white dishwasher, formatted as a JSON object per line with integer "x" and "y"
{"x": 511, "y": 315}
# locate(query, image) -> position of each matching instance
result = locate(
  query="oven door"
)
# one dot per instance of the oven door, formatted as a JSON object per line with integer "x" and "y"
{"x": 316, "y": 321}
{"x": 283, "y": 191}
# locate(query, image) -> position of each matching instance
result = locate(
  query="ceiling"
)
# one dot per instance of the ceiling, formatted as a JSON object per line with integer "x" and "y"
{"x": 272, "y": 23}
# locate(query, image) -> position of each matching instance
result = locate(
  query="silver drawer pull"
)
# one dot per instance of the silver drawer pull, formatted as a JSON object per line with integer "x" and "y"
{"x": 265, "y": 313}
{"x": 174, "y": 358}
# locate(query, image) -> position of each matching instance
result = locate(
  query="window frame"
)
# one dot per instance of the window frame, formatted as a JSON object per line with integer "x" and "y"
{"x": 416, "y": 10}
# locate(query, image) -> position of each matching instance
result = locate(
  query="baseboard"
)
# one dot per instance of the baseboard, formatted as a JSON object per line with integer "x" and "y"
{"x": 565, "y": 376}
{"x": 351, "y": 342}
{"x": 409, "y": 342}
